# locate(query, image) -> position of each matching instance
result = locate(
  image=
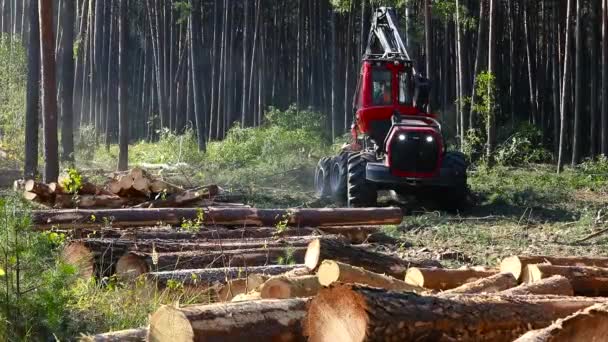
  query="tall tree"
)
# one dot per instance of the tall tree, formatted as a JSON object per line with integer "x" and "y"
{"x": 197, "y": 82}
{"x": 49, "y": 91}
{"x": 578, "y": 84}
{"x": 594, "y": 79}
{"x": 479, "y": 58}
{"x": 565, "y": 89}
{"x": 491, "y": 120}
{"x": 32, "y": 110}
{"x": 604, "y": 96}
{"x": 67, "y": 75}
{"x": 123, "y": 119}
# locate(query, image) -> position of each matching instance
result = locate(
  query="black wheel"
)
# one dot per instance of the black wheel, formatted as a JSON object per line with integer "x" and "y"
{"x": 457, "y": 195}
{"x": 322, "y": 178}
{"x": 338, "y": 175}
{"x": 361, "y": 192}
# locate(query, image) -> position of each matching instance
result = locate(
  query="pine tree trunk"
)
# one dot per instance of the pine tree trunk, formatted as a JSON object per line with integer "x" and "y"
{"x": 492, "y": 59}
{"x": 67, "y": 70}
{"x": 32, "y": 110}
{"x": 565, "y": 93}
{"x": 49, "y": 92}
{"x": 123, "y": 128}
{"x": 578, "y": 84}
{"x": 604, "y": 96}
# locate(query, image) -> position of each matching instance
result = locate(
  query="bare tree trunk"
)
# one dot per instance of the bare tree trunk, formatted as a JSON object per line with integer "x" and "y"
{"x": 565, "y": 89}
{"x": 481, "y": 34}
{"x": 123, "y": 127}
{"x": 427, "y": 40}
{"x": 491, "y": 124}
{"x": 67, "y": 87}
{"x": 197, "y": 82}
{"x": 556, "y": 78}
{"x": 49, "y": 91}
{"x": 604, "y": 77}
{"x": 460, "y": 78}
{"x": 32, "y": 110}
{"x": 593, "y": 74}
{"x": 578, "y": 84}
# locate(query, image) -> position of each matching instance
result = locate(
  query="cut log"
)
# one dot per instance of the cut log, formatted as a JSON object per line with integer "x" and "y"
{"x": 131, "y": 335}
{"x": 63, "y": 201}
{"x": 354, "y": 234}
{"x": 138, "y": 173}
{"x": 19, "y": 185}
{"x": 114, "y": 186}
{"x": 214, "y": 276}
{"x": 32, "y": 197}
{"x": 122, "y": 246}
{"x": 142, "y": 185}
{"x": 40, "y": 189}
{"x": 282, "y": 287}
{"x": 242, "y": 297}
{"x": 133, "y": 263}
{"x": 261, "y": 320}
{"x": 491, "y": 284}
{"x": 585, "y": 280}
{"x": 88, "y": 188}
{"x": 152, "y": 233}
{"x": 334, "y": 271}
{"x": 90, "y": 261}
{"x": 516, "y": 264}
{"x": 237, "y": 287}
{"x": 159, "y": 186}
{"x": 590, "y": 324}
{"x": 56, "y": 188}
{"x": 554, "y": 285}
{"x": 185, "y": 197}
{"x": 357, "y": 313}
{"x": 125, "y": 182}
{"x": 137, "y": 217}
{"x": 443, "y": 279}
{"x": 335, "y": 249}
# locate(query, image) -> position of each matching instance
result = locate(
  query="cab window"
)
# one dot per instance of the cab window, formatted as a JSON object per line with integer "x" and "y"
{"x": 381, "y": 87}
{"x": 405, "y": 93}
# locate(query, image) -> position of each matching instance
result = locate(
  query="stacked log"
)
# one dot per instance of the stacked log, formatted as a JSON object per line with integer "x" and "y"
{"x": 260, "y": 320}
{"x": 282, "y": 287}
{"x": 138, "y": 217}
{"x": 494, "y": 283}
{"x": 443, "y": 279}
{"x": 590, "y": 324}
{"x": 332, "y": 271}
{"x": 130, "y": 335}
{"x": 346, "y": 312}
{"x": 336, "y": 249}
{"x": 585, "y": 280}
{"x": 554, "y": 285}
{"x": 516, "y": 264}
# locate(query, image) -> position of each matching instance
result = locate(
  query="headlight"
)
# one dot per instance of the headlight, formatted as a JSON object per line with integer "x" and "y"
{"x": 430, "y": 139}
{"x": 402, "y": 137}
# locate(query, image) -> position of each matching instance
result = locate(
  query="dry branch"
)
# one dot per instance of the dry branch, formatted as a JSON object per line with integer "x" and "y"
{"x": 130, "y": 335}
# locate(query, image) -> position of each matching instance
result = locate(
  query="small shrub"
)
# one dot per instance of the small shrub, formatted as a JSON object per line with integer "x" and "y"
{"x": 522, "y": 147}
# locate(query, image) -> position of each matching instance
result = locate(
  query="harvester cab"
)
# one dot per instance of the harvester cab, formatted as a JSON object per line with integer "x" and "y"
{"x": 395, "y": 144}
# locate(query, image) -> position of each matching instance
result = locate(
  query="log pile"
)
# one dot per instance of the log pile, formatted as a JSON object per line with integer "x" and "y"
{"x": 134, "y": 188}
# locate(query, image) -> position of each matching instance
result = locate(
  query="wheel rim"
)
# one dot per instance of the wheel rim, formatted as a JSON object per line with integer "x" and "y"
{"x": 334, "y": 177}
{"x": 319, "y": 183}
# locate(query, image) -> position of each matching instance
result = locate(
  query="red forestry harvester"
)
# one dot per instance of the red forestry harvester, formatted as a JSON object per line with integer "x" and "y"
{"x": 395, "y": 145}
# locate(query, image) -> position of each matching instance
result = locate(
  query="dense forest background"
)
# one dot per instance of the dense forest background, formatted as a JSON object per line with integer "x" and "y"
{"x": 503, "y": 72}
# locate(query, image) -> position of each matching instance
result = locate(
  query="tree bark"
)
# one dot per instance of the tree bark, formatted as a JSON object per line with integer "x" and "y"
{"x": 589, "y": 324}
{"x": 67, "y": 86}
{"x": 197, "y": 74}
{"x": 135, "y": 263}
{"x": 32, "y": 110}
{"x": 494, "y": 283}
{"x": 443, "y": 279}
{"x": 216, "y": 216}
{"x": 585, "y": 280}
{"x": 123, "y": 128}
{"x": 212, "y": 276}
{"x": 336, "y": 249}
{"x": 358, "y": 313}
{"x": 492, "y": 59}
{"x": 331, "y": 272}
{"x": 49, "y": 91}
{"x": 604, "y": 96}
{"x": 565, "y": 93}
{"x": 262, "y": 320}
{"x": 516, "y": 264}
{"x": 554, "y": 285}
{"x": 578, "y": 84}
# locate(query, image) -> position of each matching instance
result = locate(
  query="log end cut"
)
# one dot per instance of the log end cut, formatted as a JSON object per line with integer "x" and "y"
{"x": 336, "y": 314}
{"x": 81, "y": 257}
{"x": 313, "y": 254}
{"x": 170, "y": 324}
{"x": 531, "y": 274}
{"x": 131, "y": 266}
{"x": 414, "y": 277}
{"x": 512, "y": 265}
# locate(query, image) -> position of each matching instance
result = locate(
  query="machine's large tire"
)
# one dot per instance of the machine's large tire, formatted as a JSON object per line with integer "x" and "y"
{"x": 338, "y": 177}
{"x": 361, "y": 192}
{"x": 457, "y": 195}
{"x": 322, "y": 188}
